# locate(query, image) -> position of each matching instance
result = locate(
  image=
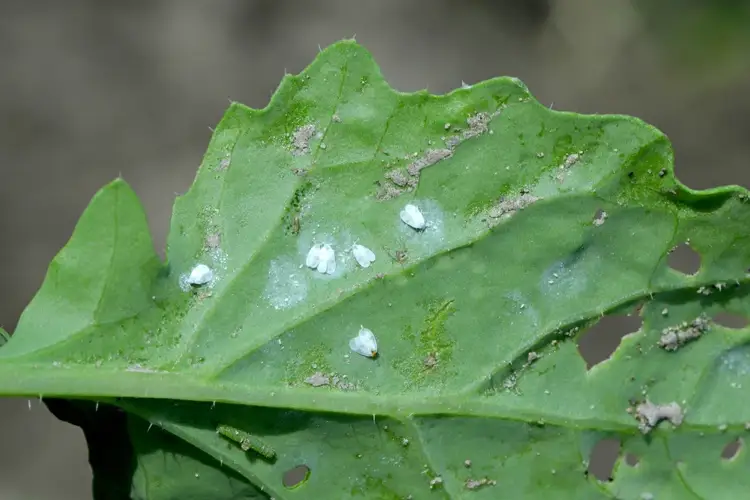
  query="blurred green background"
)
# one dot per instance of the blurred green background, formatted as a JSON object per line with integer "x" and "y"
{"x": 94, "y": 89}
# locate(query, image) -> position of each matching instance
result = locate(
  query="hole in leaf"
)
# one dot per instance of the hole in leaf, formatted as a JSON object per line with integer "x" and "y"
{"x": 599, "y": 342}
{"x": 632, "y": 460}
{"x": 731, "y": 450}
{"x": 603, "y": 458}
{"x": 684, "y": 259}
{"x": 296, "y": 476}
{"x": 730, "y": 320}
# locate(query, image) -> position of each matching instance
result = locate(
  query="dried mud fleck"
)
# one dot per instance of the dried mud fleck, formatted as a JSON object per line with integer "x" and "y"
{"x": 213, "y": 240}
{"x": 674, "y": 337}
{"x": 569, "y": 161}
{"x": 398, "y": 177}
{"x": 475, "y": 484}
{"x": 223, "y": 164}
{"x": 431, "y": 157}
{"x": 600, "y": 218}
{"x": 649, "y": 415}
{"x": 506, "y": 207}
{"x": 301, "y": 139}
{"x": 397, "y": 182}
{"x": 317, "y": 379}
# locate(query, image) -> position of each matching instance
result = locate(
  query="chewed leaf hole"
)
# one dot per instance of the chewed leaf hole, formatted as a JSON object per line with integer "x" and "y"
{"x": 601, "y": 340}
{"x": 732, "y": 449}
{"x": 632, "y": 460}
{"x": 603, "y": 457}
{"x": 684, "y": 259}
{"x": 730, "y": 320}
{"x": 296, "y": 476}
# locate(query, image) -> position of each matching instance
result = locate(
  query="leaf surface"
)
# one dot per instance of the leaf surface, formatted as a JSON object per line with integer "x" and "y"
{"x": 539, "y": 224}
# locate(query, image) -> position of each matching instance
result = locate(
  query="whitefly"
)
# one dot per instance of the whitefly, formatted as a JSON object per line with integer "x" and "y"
{"x": 321, "y": 257}
{"x": 363, "y": 255}
{"x": 412, "y": 217}
{"x": 364, "y": 343}
{"x": 200, "y": 275}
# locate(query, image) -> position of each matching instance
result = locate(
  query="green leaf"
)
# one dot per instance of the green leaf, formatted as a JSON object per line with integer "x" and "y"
{"x": 540, "y": 224}
{"x": 169, "y": 468}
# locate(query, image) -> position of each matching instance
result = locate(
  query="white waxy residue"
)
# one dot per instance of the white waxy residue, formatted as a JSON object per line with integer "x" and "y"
{"x": 363, "y": 255}
{"x": 200, "y": 275}
{"x": 364, "y": 343}
{"x": 412, "y": 216}
{"x": 321, "y": 257}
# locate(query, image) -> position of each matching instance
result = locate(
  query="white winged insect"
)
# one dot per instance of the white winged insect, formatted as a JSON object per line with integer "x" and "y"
{"x": 321, "y": 257}
{"x": 364, "y": 343}
{"x": 363, "y": 255}
{"x": 200, "y": 275}
{"x": 412, "y": 217}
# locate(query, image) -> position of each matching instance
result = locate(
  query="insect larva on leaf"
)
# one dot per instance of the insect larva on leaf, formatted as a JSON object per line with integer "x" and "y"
{"x": 246, "y": 441}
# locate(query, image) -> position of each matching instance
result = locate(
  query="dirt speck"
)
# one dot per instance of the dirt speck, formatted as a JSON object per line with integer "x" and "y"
{"x": 397, "y": 182}
{"x": 649, "y": 415}
{"x": 223, "y": 164}
{"x": 569, "y": 161}
{"x": 213, "y": 240}
{"x": 336, "y": 119}
{"x": 435, "y": 482}
{"x": 388, "y": 191}
{"x": 398, "y": 177}
{"x": 601, "y": 216}
{"x": 533, "y": 356}
{"x": 478, "y": 124}
{"x": 317, "y": 379}
{"x": 431, "y": 157}
{"x": 467, "y": 463}
{"x": 475, "y": 484}
{"x": 506, "y": 207}
{"x": 674, "y": 337}
{"x": 301, "y": 139}
{"x": 431, "y": 360}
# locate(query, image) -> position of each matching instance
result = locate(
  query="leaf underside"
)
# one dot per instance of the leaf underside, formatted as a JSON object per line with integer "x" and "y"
{"x": 540, "y": 224}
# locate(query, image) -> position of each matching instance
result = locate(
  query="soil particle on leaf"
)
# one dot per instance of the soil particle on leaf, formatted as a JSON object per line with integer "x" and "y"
{"x": 533, "y": 356}
{"x": 336, "y": 118}
{"x": 467, "y": 463}
{"x": 398, "y": 177}
{"x": 569, "y": 161}
{"x": 213, "y": 240}
{"x": 674, "y": 337}
{"x": 478, "y": 124}
{"x": 435, "y": 482}
{"x": 431, "y": 360}
{"x": 388, "y": 191}
{"x": 301, "y": 139}
{"x": 474, "y": 484}
{"x": 649, "y": 415}
{"x": 397, "y": 182}
{"x": 317, "y": 379}
{"x": 600, "y": 218}
{"x": 223, "y": 164}
{"x": 506, "y": 207}
{"x": 431, "y": 157}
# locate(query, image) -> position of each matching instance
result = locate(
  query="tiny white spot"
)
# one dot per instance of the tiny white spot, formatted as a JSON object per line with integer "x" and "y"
{"x": 200, "y": 275}
{"x": 363, "y": 255}
{"x": 321, "y": 257}
{"x": 364, "y": 343}
{"x": 412, "y": 216}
